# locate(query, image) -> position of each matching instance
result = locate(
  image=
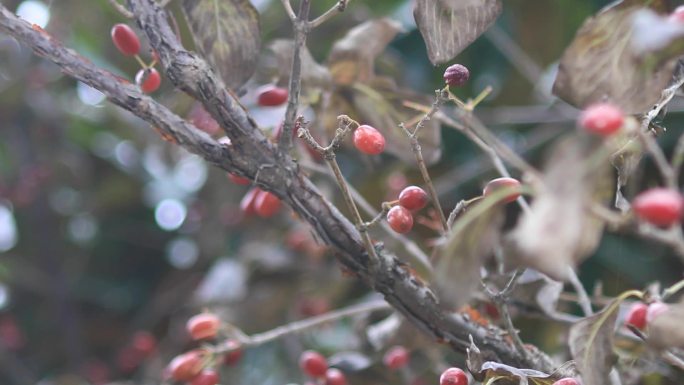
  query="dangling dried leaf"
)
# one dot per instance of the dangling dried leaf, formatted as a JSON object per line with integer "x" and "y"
{"x": 280, "y": 64}
{"x": 559, "y": 230}
{"x": 537, "y": 289}
{"x": 352, "y": 58}
{"x": 591, "y": 344}
{"x": 449, "y": 26}
{"x": 602, "y": 63}
{"x": 226, "y": 33}
{"x": 471, "y": 240}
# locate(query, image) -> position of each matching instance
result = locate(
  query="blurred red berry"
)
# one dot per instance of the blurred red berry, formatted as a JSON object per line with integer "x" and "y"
{"x": 654, "y": 310}
{"x": 203, "y": 120}
{"x": 602, "y": 119}
{"x": 453, "y": 376}
{"x": 125, "y": 39}
{"x": 677, "y": 15}
{"x": 313, "y": 364}
{"x": 636, "y": 316}
{"x": 413, "y": 198}
{"x": 186, "y": 366}
{"x": 206, "y": 377}
{"x": 659, "y": 206}
{"x": 237, "y": 179}
{"x": 396, "y": 357}
{"x": 145, "y": 343}
{"x": 148, "y": 80}
{"x": 271, "y": 96}
{"x": 335, "y": 376}
{"x": 203, "y": 326}
{"x": 369, "y": 140}
{"x": 234, "y": 355}
{"x": 567, "y": 381}
{"x": 456, "y": 75}
{"x": 499, "y": 184}
{"x": 267, "y": 204}
{"x": 400, "y": 219}
{"x": 247, "y": 204}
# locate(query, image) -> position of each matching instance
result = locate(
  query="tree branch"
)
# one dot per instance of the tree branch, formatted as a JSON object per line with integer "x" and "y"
{"x": 249, "y": 152}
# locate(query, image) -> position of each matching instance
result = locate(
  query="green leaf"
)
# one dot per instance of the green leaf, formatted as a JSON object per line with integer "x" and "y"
{"x": 449, "y": 26}
{"x": 602, "y": 63}
{"x": 226, "y": 33}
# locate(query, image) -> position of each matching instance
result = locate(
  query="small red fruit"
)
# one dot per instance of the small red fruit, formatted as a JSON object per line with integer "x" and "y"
{"x": 400, "y": 219}
{"x": 234, "y": 355}
{"x": 313, "y": 364}
{"x": 335, "y": 376}
{"x": 125, "y": 39}
{"x": 413, "y": 198}
{"x": 654, "y": 310}
{"x": 637, "y": 316}
{"x": 396, "y": 357}
{"x": 247, "y": 204}
{"x": 603, "y": 119}
{"x": 369, "y": 140}
{"x": 266, "y": 204}
{"x": 271, "y": 96}
{"x": 677, "y": 15}
{"x": 567, "y": 381}
{"x": 203, "y": 326}
{"x": 503, "y": 183}
{"x": 148, "y": 80}
{"x": 453, "y": 376}
{"x": 186, "y": 366}
{"x": 203, "y": 120}
{"x": 237, "y": 179}
{"x": 206, "y": 377}
{"x": 145, "y": 343}
{"x": 456, "y": 75}
{"x": 659, "y": 206}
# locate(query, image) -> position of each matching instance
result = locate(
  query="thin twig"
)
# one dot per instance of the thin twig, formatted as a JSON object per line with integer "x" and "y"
{"x": 334, "y": 10}
{"x": 303, "y": 325}
{"x": 288, "y": 9}
{"x": 121, "y": 9}
{"x": 582, "y": 296}
{"x": 501, "y": 301}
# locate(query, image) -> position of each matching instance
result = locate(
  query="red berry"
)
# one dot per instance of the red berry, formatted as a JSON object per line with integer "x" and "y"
{"x": 567, "y": 381}
{"x": 145, "y": 343}
{"x": 237, "y": 179}
{"x": 369, "y": 140}
{"x": 413, "y": 198}
{"x": 396, "y": 357}
{"x": 677, "y": 15}
{"x": 247, "y": 204}
{"x": 313, "y": 364}
{"x": 453, "y": 376}
{"x": 203, "y": 120}
{"x": 659, "y": 206}
{"x": 335, "y": 376}
{"x": 186, "y": 366}
{"x": 654, "y": 310}
{"x": 203, "y": 326}
{"x": 400, "y": 219}
{"x": 602, "y": 119}
{"x": 206, "y": 377}
{"x": 234, "y": 355}
{"x": 637, "y": 316}
{"x": 148, "y": 80}
{"x": 128, "y": 359}
{"x": 456, "y": 75}
{"x": 266, "y": 204}
{"x": 270, "y": 96}
{"x": 125, "y": 39}
{"x": 499, "y": 184}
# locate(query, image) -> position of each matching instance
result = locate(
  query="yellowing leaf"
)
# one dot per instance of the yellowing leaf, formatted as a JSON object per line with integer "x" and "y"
{"x": 449, "y": 26}
{"x": 226, "y": 33}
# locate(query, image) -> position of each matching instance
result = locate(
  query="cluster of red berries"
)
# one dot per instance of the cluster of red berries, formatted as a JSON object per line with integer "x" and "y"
{"x": 641, "y": 314}
{"x": 127, "y": 42}
{"x": 400, "y": 218}
{"x": 192, "y": 366}
{"x": 315, "y": 365}
{"x": 661, "y": 207}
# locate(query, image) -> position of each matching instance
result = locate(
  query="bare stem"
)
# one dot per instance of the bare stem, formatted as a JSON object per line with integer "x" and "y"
{"x": 501, "y": 301}
{"x": 303, "y": 325}
{"x": 582, "y": 296}
{"x": 288, "y": 9}
{"x": 121, "y": 9}
{"x": 337, "y": 8}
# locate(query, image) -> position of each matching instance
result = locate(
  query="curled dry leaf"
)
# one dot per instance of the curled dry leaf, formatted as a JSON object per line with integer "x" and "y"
{"x": 536, "y": 288}
{"x": 591, "y": 344}
{"x": 602, "y": 64}
{"x": 471, "y": 240}
{"x": 559, "y": 230}
{"x": 226, "y": 33}
{"x": 665, "y": 331}
{"x": 449, "y": 26}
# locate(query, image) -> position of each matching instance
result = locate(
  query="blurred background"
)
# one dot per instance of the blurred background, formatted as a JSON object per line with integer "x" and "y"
{"x": 110, "y": 238}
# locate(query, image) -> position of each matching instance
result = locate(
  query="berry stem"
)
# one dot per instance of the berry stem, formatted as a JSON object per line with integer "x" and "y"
{"x": 140, "y": 61}
{"x": 121, "y": 9}
{"x": 440, "y": 97}
{"x": 500, "y": 300}
{"x": 339, "y": 7}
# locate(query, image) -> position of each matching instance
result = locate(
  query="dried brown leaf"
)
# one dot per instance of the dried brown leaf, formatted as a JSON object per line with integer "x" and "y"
{"x": 226, "y": 33}
{"x": 352, "y": 57}
{"x": 602, "y": 64}
{"x": 665, "y": 331}
{"x": 559, "y": 230}
{"x": 449, "y": 26}
{"x": 313, "y": 74}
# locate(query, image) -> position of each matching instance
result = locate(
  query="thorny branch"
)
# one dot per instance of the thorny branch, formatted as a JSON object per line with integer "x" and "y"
{"x": 250, "y": 149}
